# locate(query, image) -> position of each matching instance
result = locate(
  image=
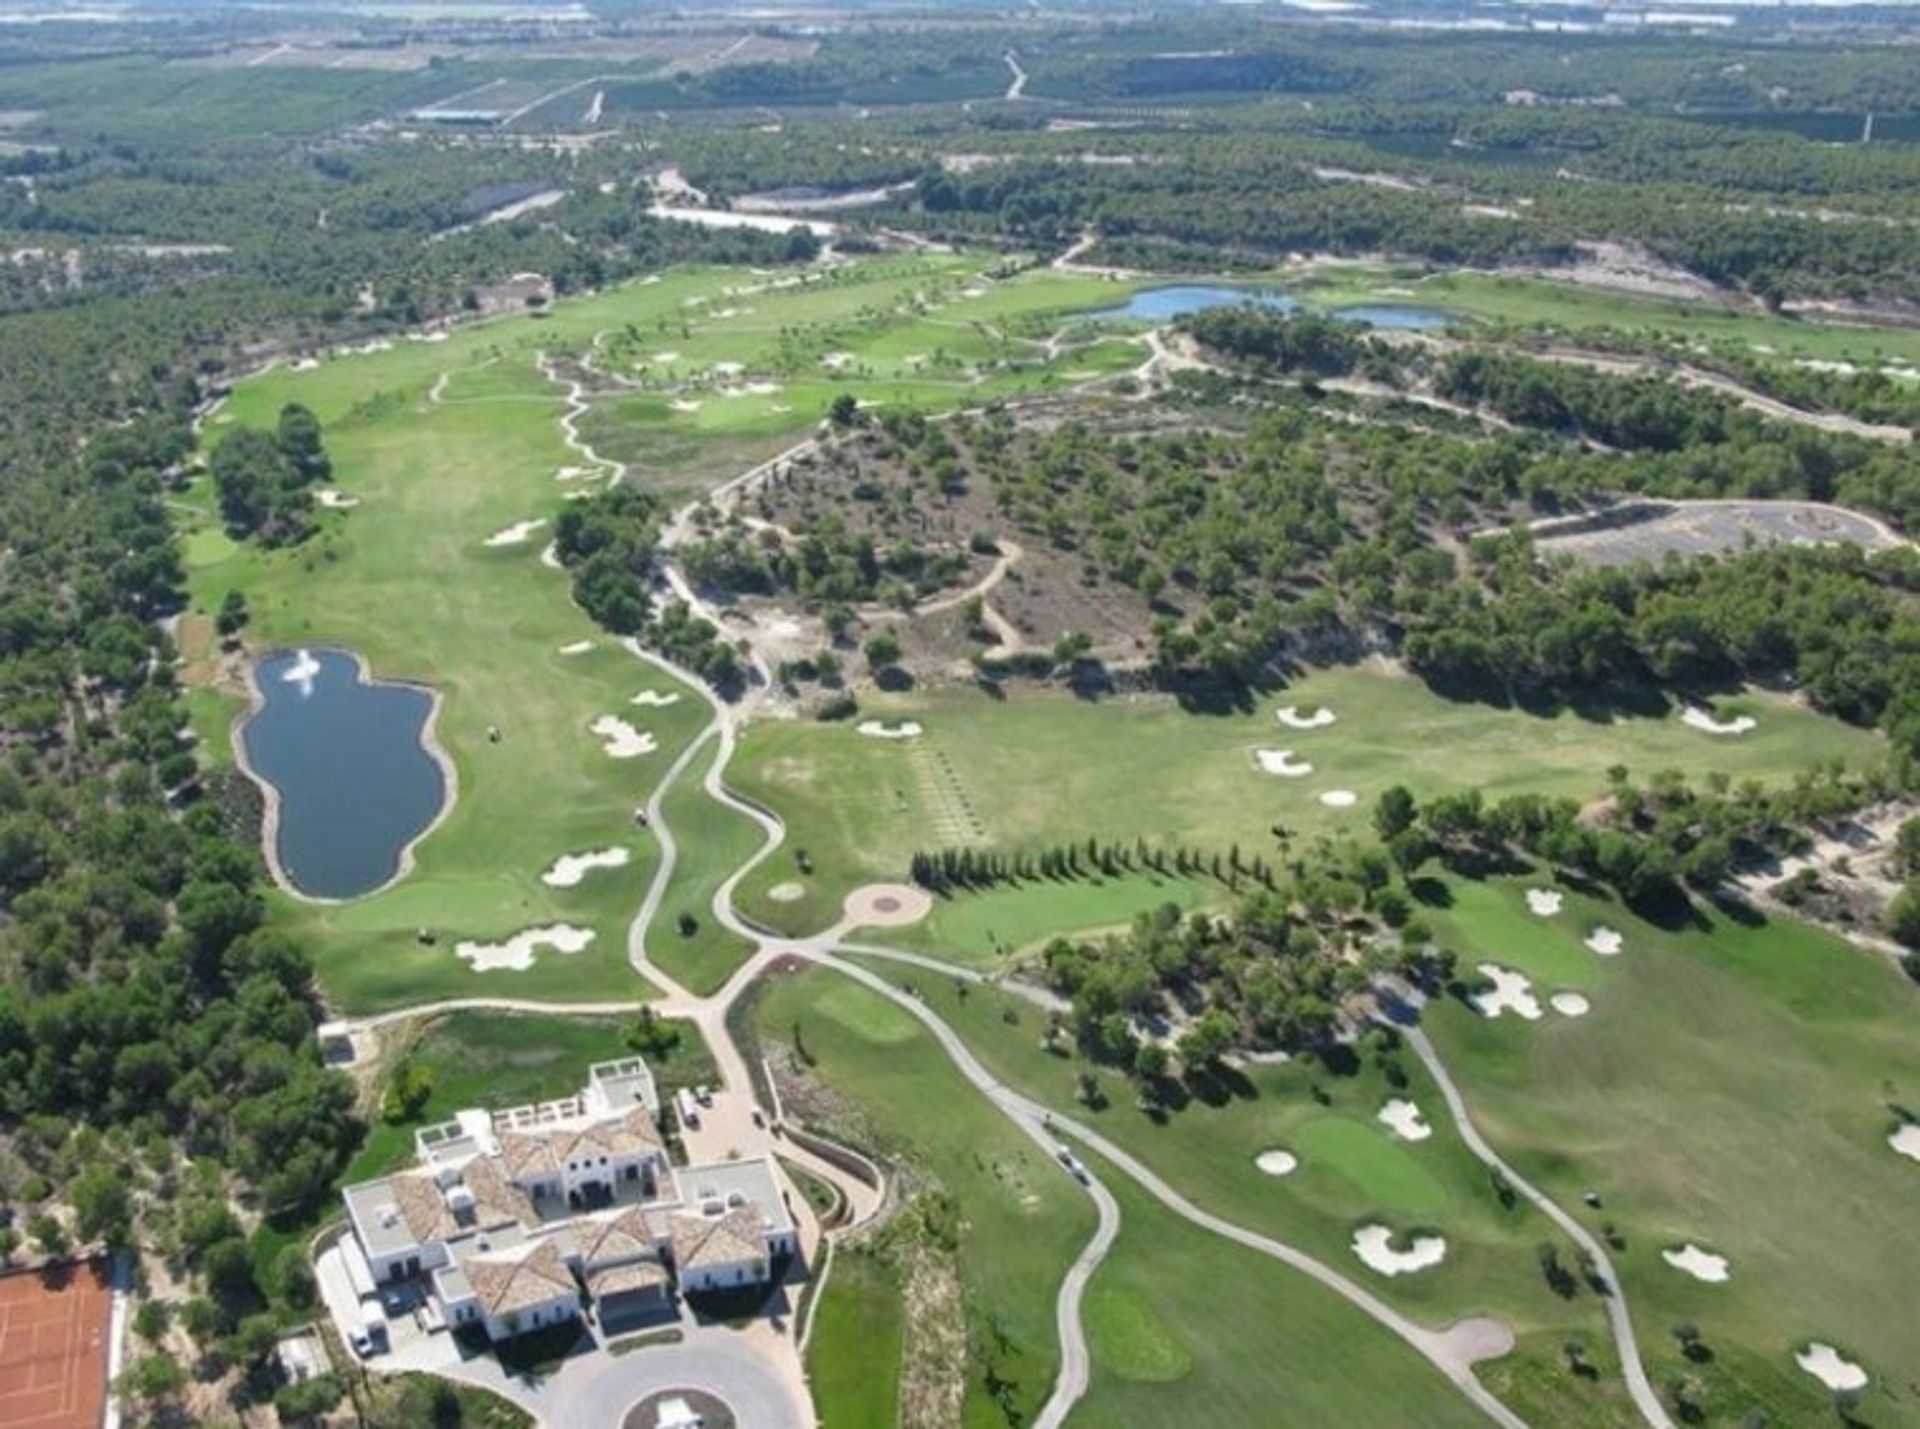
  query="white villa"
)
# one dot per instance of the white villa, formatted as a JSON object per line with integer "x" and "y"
{"x": 515, "y": 1220}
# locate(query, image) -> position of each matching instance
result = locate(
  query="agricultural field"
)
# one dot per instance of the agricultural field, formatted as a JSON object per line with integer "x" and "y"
{"x": 450, "y": 448}
{"x": 1040, "y": 767}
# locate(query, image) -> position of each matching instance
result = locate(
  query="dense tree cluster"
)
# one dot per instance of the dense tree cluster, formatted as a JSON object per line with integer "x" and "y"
{"x": 264, "y": 481}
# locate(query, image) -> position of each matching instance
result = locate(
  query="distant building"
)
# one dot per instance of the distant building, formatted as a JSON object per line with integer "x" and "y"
{"x": 515, "y": 1220}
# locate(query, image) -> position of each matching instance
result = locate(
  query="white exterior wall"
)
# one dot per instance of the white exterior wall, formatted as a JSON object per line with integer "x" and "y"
{"x": 550, "y": 1312}
{"x": 725, "y": 1276}
{"x": 432, "y": 1256}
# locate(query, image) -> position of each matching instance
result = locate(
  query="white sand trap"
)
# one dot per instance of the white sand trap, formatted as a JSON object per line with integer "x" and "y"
{"x": 1374, "y": 1245}
{"x": 1823, "y": 1362}
{"x": 573, "y": 473}
{"x": 787, "y": 892}
{"x": 570, "y": 868}
{"x": 668, "y": 356}
{"x": 550, "y": 553}
{"x": 335, "y": 500}
{"x": 1292, "y": 718}
{"x": 1604, "y": 941}
{"x": 1339, "y": 798}
{"x": 517, "y": 533}
{"x": 1906, "y": 1140}
{"x": 306, "y": 364}
{"x": 1704, "y": 719}
{"x": 837, "y": 360}
{"x": 681, "y": 404}
{"x": 302, "y": 672}
{"x": 1282, "y": 762}
{"x": 1512, "y": 992}
{"x": 973, "y": 292}
{"x": 763, "y": 389}
{"x": 623, "y": 741}
{"x": 516, "y": 954}
{"x": 1570, "y": 1004}
{"x": 1277, "y": 1162}
{"x": 1403, "y": 1118}
{"x": 1543, "y": 902}
{"x": 1700, "y": 1264}
{"x": 577, "y": 647}
{"x": 655, "y": 698}
{"x": 880, "y": 729}
{"x": 728, "y": 369}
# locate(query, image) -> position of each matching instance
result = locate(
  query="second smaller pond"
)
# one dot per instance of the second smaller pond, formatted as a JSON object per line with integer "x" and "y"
{"x": 355, "y": 786}
{"x": 1177, "y": 300}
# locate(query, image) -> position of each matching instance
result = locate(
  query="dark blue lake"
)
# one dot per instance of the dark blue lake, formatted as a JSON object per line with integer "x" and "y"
{"x": 1175, "y": 301}
{"x": 355, "y": 786}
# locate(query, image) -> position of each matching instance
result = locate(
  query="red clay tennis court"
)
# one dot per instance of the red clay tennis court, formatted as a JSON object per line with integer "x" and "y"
{"x": 53, "y": 1347}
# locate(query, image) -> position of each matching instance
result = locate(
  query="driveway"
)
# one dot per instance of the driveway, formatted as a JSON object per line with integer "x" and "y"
{"x": 596, "y": 1393}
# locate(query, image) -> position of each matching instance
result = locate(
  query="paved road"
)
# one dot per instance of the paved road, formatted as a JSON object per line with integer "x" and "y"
{"x": 1644, "y": 1397}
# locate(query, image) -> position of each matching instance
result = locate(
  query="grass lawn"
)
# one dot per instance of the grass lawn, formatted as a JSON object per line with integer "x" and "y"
{"x": 504, "y": 1059}
{"x": 853, "y": 1359}
{"x": 1041, "y": 766}
{"x": 713, "y": 840}
{"x": 1352, "y": 1171}
{"x": 1021, "y": 1219}
{"x": 446, "y": 443}
{"x": 1731, "y": 1087}
{"x": 1531, "y": 301}
{"x": 1186, "y": 1328}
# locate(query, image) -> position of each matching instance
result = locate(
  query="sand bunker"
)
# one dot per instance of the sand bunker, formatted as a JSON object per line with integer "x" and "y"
{"x": 516, "y": 954}
{"x": 1704, "y": 719}
{"x": 573, "y": 473}
{"x": 1544, "y": 902}
{"x": 654, "y": 697}
{"x": 681, "y": 404}
{"x": 550, "y": 553}
{"x": 880, "y": 729}
{"x": 1570, "y": 1004}
{"x": 763, "y": 389}
{"x": 623, "y": 741}
{"x": 1700, "y": 1264}
{"x": 1292, "y": 718}
{"x": 1604, "y": 941}
{"x": 837, "y": 360}
{"x": 787, "y": 892}
{"x": 1374, "y": 1245}
{"x": 517, "y": 533}
{"x": 577, "y": 647}
{"x": 668, "y": 356}
{"x": 306, "y": 364}
{"x": 1823, "y": 1362}
{"x": 335, "y": 500}
{"x": 1906, "y": 1140}
{"x": 728, "y": 369}
{"x": 1403, "y": 1118}
{"x": 570, "y": 868}
{"x": 1339, "y": 798}
{"x": 1282, "y": 762}
{"x": 1276, "y": 1162}
{"x": 1511, "y": 992}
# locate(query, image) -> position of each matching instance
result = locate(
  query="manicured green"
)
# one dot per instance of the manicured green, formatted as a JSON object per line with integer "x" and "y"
{"x": 445, "y": 444}
{"x": 1021, "y": 1220}
{"x": 853, "y": 1359}
{"x": 1352, "y": 1171}
{"x": 713, "y": 840}
{"x": 1732, "y": 1086}
{"x": 1039, "y": 767}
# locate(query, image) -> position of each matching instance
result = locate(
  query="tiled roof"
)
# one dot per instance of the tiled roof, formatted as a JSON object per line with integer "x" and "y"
{"x": 506, "y": 1286}
{"x": 718, "y": 1240}
{"x": 423, "y": 1207}
{"x": 496, "y": 1200}
{"x": 532, "y": 1153}
{"x": 627, "y": 1236}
